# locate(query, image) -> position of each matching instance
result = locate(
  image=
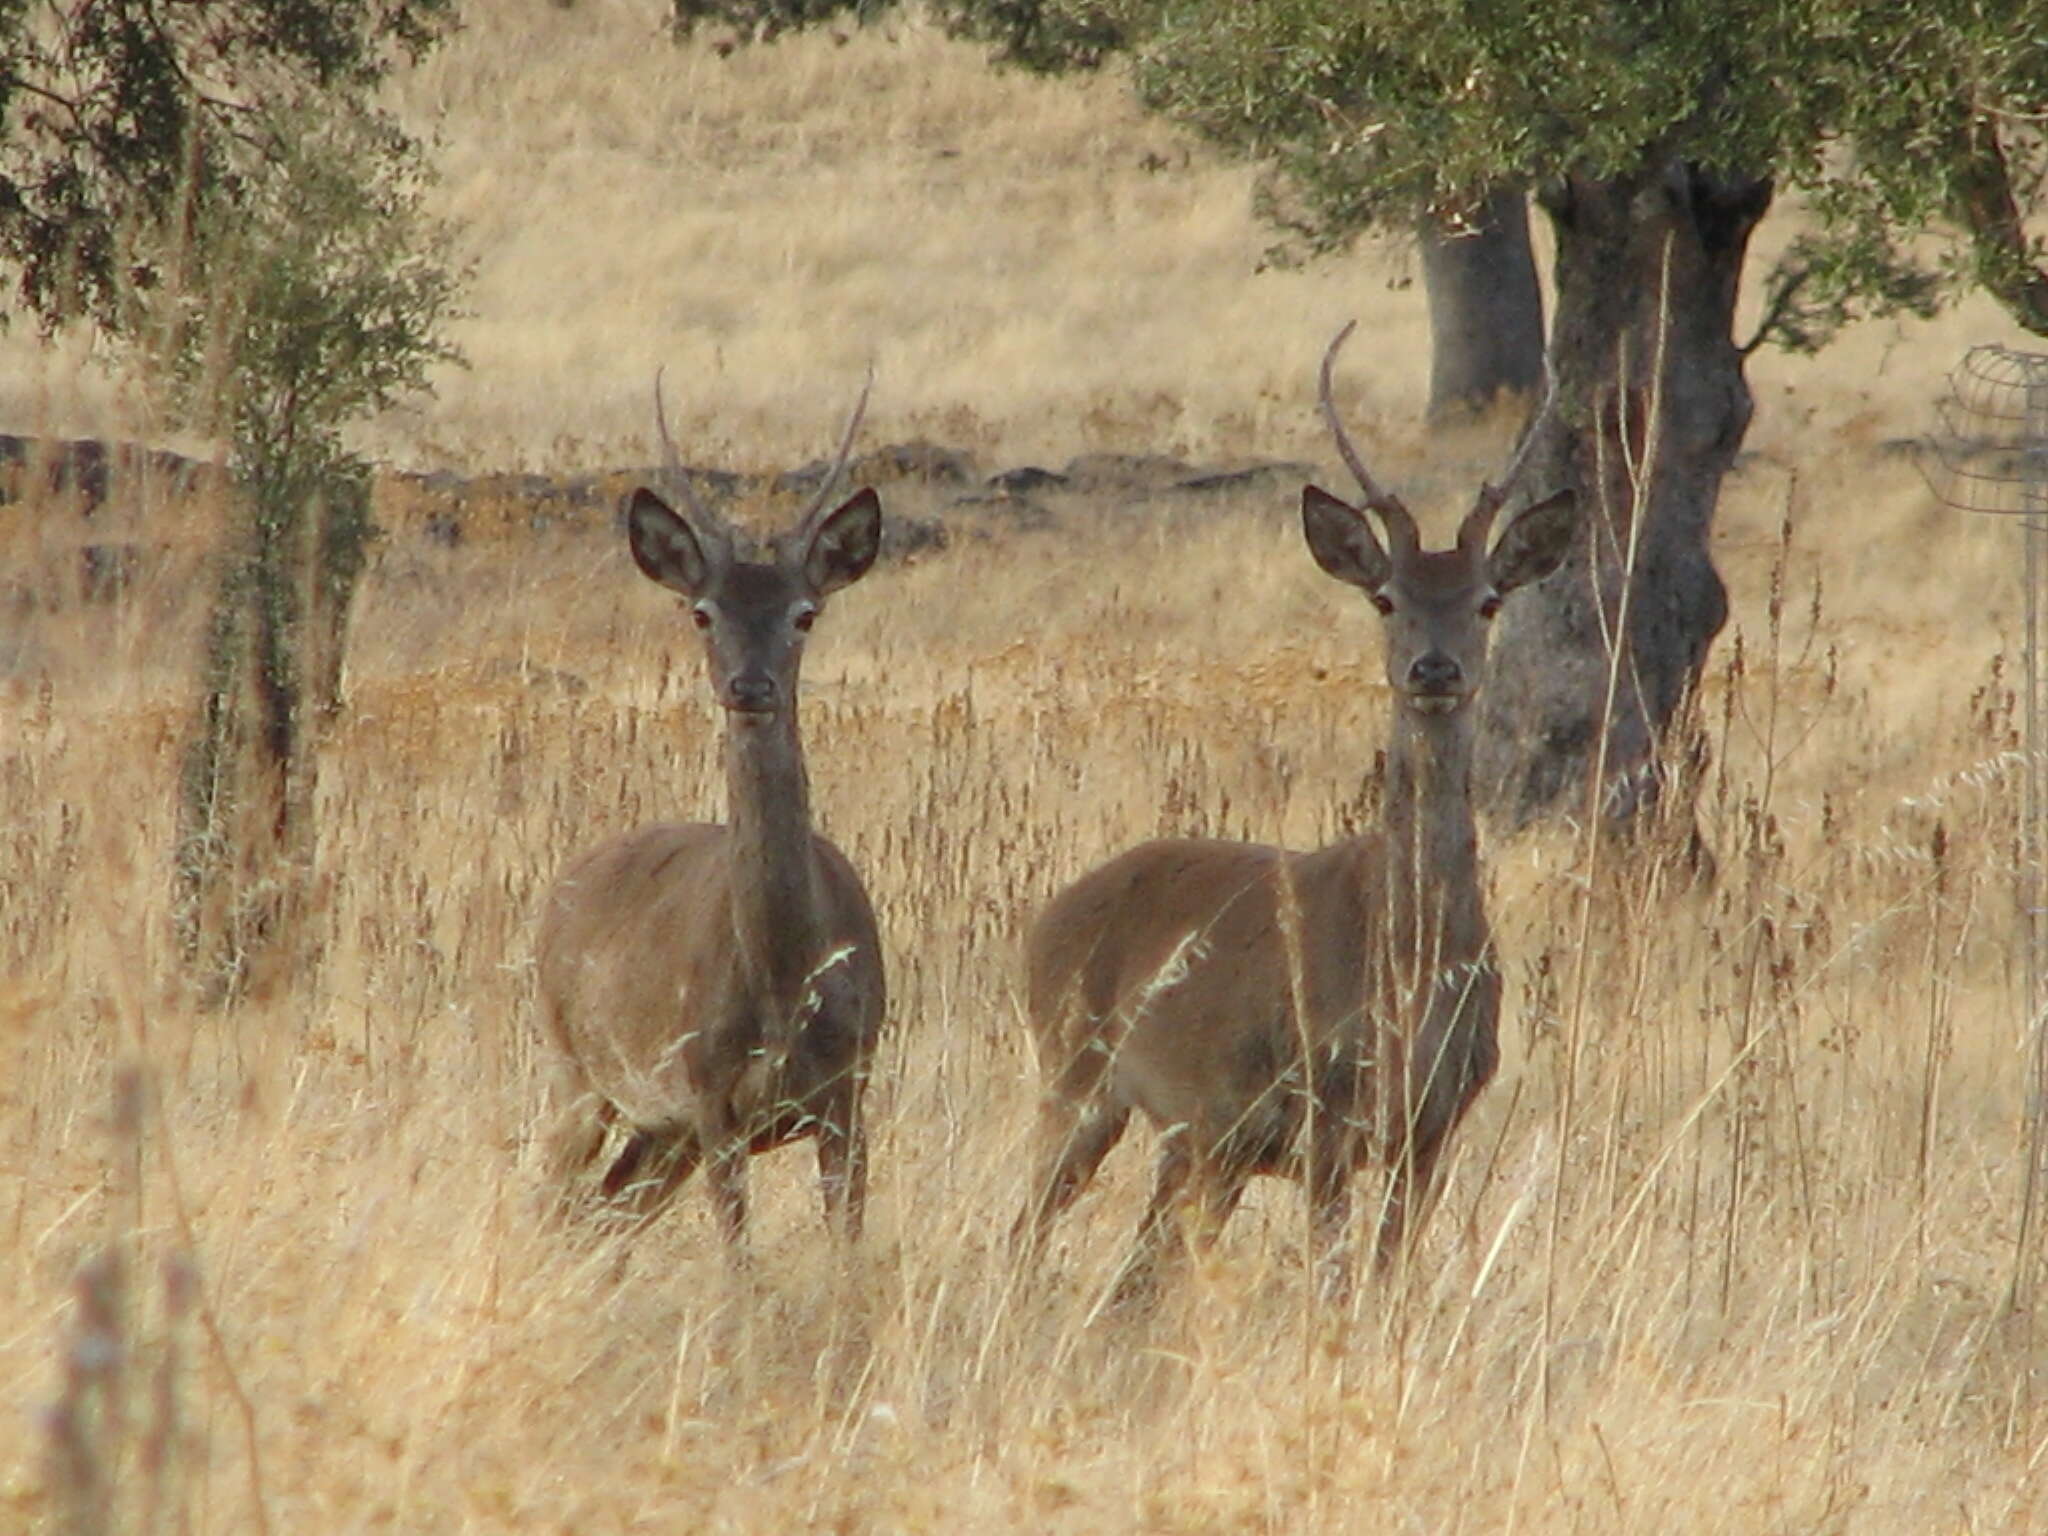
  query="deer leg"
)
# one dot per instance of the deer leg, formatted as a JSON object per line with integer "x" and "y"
{"x": 571, "y": 1145}
{"x": 729, "y": 1195}
{"x": 843, "y": 1163}
{"x": 619, "y": 1177}
{"x": 650, "y": 1167}
{"x": 1432, "y": 1104}
{"x": 642, "y": 1188}
{"x": 1074, "y": 1141}
{"x": 1218, "y": 1189}
{"x": 579, "y": 1118}
{"x": 1161, "y": 1245}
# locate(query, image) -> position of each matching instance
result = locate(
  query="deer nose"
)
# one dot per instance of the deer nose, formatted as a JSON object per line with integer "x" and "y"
{"x": 1435, "y": 674}
{"x": 751, "y": 693}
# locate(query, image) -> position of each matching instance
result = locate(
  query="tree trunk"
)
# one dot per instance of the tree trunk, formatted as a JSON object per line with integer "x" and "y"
{"x": 1648, "y": 270}
{"x": 269, "y": 689}
{"x": 1485, "y": 306}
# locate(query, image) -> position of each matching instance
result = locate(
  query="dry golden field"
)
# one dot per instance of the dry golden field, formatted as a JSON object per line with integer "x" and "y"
{"x": 1725, "y": 1248}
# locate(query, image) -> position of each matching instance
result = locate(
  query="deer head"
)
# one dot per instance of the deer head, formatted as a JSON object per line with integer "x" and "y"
{"x": 1437, "y": 604}
{"x": 754, "y": 614}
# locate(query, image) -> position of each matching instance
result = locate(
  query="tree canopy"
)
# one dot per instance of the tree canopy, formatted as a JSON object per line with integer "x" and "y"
{"x": 1893, "y": 119}
{"x": 120, "y": 118}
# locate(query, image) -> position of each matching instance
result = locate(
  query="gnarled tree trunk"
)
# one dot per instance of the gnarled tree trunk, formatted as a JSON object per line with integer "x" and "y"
{"x": 1648, "y": 270}
{"x": 1485, "y": 305}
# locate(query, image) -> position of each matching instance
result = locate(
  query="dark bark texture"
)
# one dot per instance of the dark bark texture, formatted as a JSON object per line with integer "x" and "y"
{"x": 1485, "y": 306}
{"x": 1651, "y": 409}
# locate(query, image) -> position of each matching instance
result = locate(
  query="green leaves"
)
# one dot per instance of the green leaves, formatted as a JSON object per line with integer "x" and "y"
{"x": 329, "y": 285}
{"x": 120, "y": 118}
{"x": 1893, "y": 117}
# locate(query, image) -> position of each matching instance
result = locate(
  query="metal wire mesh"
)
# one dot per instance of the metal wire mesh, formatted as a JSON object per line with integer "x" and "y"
{"x": 1991, "y": 455}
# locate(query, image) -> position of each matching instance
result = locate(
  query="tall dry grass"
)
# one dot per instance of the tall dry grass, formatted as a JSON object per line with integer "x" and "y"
{"x": 1746, "y": 1274}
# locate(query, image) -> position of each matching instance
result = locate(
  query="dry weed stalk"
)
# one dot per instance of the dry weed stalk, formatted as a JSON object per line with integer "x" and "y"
{"x": 125, "y": 1444}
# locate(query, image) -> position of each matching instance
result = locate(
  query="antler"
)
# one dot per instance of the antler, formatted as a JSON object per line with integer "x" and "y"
{"x": 1400, "y": 526}
{"x": 1478, "y": 524}
{"x": 708, "y": 523}
{"x": 824, "y": 493}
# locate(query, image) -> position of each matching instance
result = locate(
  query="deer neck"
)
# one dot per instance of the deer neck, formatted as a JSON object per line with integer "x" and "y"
{"x": 775, "y": 896}
{"x": 1432, "y": 840}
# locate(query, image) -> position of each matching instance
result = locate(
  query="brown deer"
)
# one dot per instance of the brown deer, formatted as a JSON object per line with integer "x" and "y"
{"x": 715, "y": 989}
{"x": 1298, "y": 1014}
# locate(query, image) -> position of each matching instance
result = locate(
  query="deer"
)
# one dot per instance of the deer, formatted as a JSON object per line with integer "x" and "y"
{"x": 1299, "y": 1014}
{"x": 710, "y": 990}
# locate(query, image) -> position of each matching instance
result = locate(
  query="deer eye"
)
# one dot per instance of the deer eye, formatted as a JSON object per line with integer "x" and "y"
{"x": 805, "y": 617}
{"x": 1490, "y": 605}
{"x": 700, "y": 615}
{"x": 1381, "y": 601}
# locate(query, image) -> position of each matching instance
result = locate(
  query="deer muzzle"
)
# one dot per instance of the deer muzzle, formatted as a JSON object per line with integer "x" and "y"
{"x": 752, "y": 693}
{"x": 1435, "y": 683}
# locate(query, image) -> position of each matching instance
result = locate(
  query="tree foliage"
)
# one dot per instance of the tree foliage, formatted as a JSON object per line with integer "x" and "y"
{"x": 122, "y": 116}
{"x": 1040, "y": 35}
{"x": 210, "y": 182}
{"x": 327, "y": 285}
{"x": 321, "y": 290}
{"x": 1891, "y": 119}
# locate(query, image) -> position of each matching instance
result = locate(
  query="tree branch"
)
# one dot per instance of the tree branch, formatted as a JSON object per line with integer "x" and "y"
{"x": 1983, "y": 202}
{"x": 1783, "y": 295}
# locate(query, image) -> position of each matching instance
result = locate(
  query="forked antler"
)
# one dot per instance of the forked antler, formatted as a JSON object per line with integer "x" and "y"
{"x": 824, "y": 492}
{"x": 708, "y": 524}
{"x": 1400, "y": 526}
{"x": 1478, "y": 524}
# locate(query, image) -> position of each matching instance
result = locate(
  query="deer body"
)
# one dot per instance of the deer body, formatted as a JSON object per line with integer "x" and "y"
{"x": 779, "y": 1049}
{"x": 717, "y": 989}
{"x": 1300, "y": 1014}
{"x": 1189, "y": 942}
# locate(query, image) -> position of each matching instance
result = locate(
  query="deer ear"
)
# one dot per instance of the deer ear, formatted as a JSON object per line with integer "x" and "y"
{"x": 842, "y": 545}
{"x": 1342, "y": 540}
{"x": 665, "y": 546}
{"x": 1535, "y": 543}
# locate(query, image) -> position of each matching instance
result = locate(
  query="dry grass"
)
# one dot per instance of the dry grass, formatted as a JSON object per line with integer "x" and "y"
{"x": 1747, "y": 1275}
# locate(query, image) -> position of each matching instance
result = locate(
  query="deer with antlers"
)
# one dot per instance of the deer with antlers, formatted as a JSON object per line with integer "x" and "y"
{"x": 712, "y": 990}
{"x": 1299, "y": 1014}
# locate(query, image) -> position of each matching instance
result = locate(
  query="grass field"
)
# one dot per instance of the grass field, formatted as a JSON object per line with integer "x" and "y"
{"x": 1725, "y": 1248}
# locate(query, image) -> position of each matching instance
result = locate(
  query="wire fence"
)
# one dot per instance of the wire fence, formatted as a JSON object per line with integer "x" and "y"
{"x": 1991, "y": 455}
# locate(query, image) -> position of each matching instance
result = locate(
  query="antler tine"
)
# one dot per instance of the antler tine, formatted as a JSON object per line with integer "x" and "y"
{"x": 679, "y": 477}
{"x": 824, "y": 494}
{"x": 1494, "y": 494}
{"x": 1400, "y": 525}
